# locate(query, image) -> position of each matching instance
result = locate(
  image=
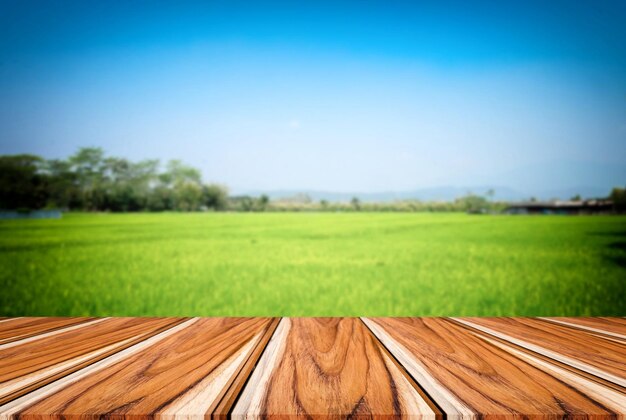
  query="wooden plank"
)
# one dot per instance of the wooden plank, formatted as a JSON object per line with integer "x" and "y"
{"x": 613, "y": 327}
{"x": 328, "y": 368}
{"x": 304, "y": 367}
{"x": 470, "y": 377}
{"x": 181, "y": 375}
{"x": 33, "y": 362}
{"x": 578, "y": 349}
{"x": 230, "y": 396}
{"x": 13, "y": 329}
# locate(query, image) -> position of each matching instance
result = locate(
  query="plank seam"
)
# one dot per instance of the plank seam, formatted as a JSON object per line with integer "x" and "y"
{"x": 269, "y": 336}
{"x": 224, "y": 408}
{"x": 439, "y": 413}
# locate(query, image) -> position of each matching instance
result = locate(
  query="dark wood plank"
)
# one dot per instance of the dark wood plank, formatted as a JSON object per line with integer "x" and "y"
{"x": 181, "y": 374}
{"x": 470, "y": 377}
{"x": 328, "y": 368}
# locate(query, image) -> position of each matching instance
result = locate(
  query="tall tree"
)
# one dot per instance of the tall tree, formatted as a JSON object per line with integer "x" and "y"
{"x": 88, "y": 164}
{"x": 618, "y": 196}
{"x": 62, "y": 184}
{"x": 22, "y": 185}
{"x": 355, "y": 203}
{"x": 215, "y": 196}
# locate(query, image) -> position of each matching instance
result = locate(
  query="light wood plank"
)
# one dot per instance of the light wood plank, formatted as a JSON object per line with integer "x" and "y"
{"x": 470, "y": 377}
{"x": 328, "y": 368}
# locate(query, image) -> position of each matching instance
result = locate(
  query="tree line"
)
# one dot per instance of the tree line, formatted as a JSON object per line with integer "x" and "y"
{"x": 91, "y": 181}
{"x": 470, "y": 203}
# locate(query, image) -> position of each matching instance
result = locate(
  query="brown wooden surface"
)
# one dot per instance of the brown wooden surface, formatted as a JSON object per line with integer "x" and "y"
{"x": 159, "y": 380}
{"x": 192, "y": 369}
{"x": 230, "y": 396}
{"x": 609, "y": 326}
{"x": 468, "y": 376}
{"x": 326, "y": 367}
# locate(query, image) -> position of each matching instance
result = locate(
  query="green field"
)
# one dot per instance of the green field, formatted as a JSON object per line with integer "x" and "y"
{"x": 302, "y": 264}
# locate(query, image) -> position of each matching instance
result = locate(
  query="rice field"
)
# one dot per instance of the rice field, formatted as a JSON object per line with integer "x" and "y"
{"x": 313, "y": 264}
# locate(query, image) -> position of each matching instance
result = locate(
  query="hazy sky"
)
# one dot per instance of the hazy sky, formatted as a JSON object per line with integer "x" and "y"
{"x": 339, "y": 96}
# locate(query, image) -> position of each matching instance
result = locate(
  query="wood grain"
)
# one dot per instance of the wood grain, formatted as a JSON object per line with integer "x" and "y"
{"x": 19, "y": 328}
{"x": 322, "y": 368}
{"x": 470, "y": 377}
{"x": 578, "y": 349}
{"x": 328, "y": 368}
{"x": 613, "y": 327}
{"x": 227, "y": 402}
{"x": 182, "y": 376}
{"x": 31, "y": 363}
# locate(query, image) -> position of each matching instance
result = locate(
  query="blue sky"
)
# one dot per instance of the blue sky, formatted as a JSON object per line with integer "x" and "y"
{"x": 339, "y": 96}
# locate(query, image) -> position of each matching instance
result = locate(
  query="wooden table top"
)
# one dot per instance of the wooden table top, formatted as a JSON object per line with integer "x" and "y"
{"x": 196, "y": 368}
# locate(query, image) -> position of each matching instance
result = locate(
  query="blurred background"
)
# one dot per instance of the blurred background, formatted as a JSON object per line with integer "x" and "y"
{"x": 320, "y": 158}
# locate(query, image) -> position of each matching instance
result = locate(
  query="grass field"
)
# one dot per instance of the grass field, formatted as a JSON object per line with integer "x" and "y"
{"x": 313, "y": 264}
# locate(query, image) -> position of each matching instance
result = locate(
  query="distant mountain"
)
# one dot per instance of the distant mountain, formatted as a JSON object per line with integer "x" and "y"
{"x": 543, "y": 181}
{"x": 564, "y": 179}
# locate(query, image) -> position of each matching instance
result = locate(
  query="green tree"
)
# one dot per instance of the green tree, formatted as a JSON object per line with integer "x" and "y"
{"x": 472, "y": 203}
{"x": 179, "y": 173}
{"x": 355, "y": 203}
{"x": 188, "y": 197}
{"x": 22, "y": 185}
{"x": 160, "y": 198}
{"x": 215, "y": 196}
{"x": 63, "y": 190}
{"x": 618, "y": 197}
{"x": 263, "y": 202}
{"x": 186, "y": 184}
{"x": 88, "y": 165}
{"x": 246, "y": 203}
